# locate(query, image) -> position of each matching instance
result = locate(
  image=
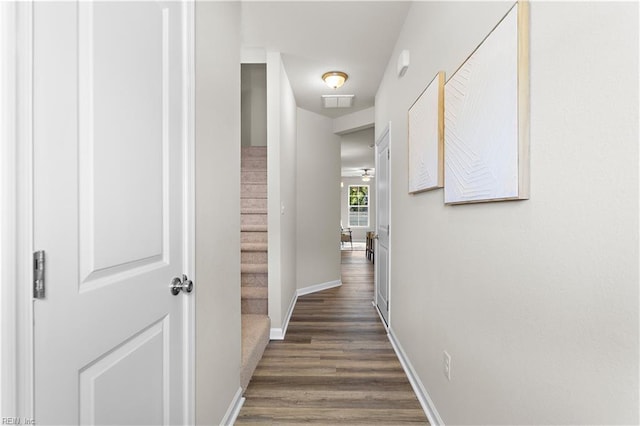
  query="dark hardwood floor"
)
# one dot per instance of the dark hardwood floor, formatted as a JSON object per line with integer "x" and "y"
{"x": 336, "y": 365}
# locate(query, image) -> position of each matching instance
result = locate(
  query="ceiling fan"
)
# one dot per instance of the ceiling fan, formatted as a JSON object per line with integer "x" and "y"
{"x": 366, "y": 177}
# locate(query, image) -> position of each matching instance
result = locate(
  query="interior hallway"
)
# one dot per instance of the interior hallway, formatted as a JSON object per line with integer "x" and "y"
{"x": 336, "y": 365}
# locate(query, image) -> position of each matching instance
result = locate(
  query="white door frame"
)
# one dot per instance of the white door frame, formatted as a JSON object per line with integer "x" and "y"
{"x": 16, "y": 210}
{"x": 386, "y": 131}
{"x": 16, "y": 364}
{"x": 189, "y": 209}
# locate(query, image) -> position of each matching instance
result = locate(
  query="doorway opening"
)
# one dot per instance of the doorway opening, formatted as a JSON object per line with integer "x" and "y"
{"x": 254, "y": 276}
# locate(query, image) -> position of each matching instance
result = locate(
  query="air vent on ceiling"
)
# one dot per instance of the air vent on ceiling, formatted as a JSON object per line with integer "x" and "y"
{"x": 337, "y": 101}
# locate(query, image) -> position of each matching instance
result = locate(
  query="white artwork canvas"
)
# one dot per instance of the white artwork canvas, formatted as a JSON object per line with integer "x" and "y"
{"x": 426, "y": 138}
{"x": 482, "y": 146}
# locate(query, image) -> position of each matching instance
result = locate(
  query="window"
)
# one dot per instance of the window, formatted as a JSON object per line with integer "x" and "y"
{"x": 359, "y": 206}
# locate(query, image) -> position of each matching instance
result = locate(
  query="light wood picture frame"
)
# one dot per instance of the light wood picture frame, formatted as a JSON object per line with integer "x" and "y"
{"x": 486, "y": 144}
{"x": 426, "y": 138}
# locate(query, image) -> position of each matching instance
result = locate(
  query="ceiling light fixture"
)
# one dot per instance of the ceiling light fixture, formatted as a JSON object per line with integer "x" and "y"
{"x": 366, "y": 177}
{"x": 334, "y": 79}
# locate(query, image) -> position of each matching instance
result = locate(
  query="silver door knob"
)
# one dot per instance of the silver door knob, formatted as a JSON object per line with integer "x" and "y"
{"x": 181, "y": 284}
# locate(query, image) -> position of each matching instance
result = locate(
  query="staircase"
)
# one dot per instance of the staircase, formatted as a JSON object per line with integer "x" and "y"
{"x": 253, "y": 245}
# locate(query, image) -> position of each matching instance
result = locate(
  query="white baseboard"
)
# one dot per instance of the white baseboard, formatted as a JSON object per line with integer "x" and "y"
{"x": 318, "y": 287}
{"x": 278, "y": 333}
{"x": 234, "y": 409}
{"x": 416, "y": 383}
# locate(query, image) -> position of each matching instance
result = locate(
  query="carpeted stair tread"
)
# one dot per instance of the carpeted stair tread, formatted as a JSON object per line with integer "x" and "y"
{"x": 254, "y": 151}
{"x": 253, "y": 195}
{"x": 254, "y": 292}
{"x": 254, "y": 237}
{"x": 253, "y": 257}
{"x": 253, "y": 164}
{"x": 254, "y": 246}
{"x": 253, "y": 202}
{"x": 253, "y": 210}
{"x": 253, "y": 219}
{"x": 254, "y": 176}
{"x": 253, "y": 190}
{"x": 257, "y": 204}
{"x": 255, "y": 337}
{"x": 253, "y": 228}
{"x": 254, "y": 279}
{"x": 253, "y": 268}
{"x": 254, "y": 306}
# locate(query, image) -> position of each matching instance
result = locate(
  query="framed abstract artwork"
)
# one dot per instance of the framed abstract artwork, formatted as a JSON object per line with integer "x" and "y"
{"x": 486, "y": 142}
{"x": 426, "y": 138}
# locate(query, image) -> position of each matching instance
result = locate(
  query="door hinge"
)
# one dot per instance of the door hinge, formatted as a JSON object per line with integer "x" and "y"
{"x": 388, "y": 154}
{"x": 38, "y": 275}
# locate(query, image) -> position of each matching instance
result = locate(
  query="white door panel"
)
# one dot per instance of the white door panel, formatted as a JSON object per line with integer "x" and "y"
{"x": 122, "y": 80}
{"x": 138, "y": 363}
{"x": 108, "y": 197}
{"x": 382, "y": 226}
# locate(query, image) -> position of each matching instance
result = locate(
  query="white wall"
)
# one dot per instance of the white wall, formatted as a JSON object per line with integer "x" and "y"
{"x": 355, "y": 152}
{"x": 281, "y": 180}
{"x": 354, "y": 121}
{"x": 536, "y": 301}
{"x": 217, "y": 285}
{"x": 254, "y": 105}
{"x": 358, "y": 234}
{"x": 318, "y": 200}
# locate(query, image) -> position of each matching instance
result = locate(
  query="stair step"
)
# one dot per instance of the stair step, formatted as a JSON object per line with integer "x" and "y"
{"x": 253, "y": 176}
{"x": 253, "y": 228}
{"x": 253, "y": 190}
{"x": 255, "y": 337}
{"x": 253, "y": 257}
{"x": 254, "y": 164}
{"x": 254, "y": 151}
{"x": 254, "y": 293}
{"x": 254, "y": 246}
{"x": 253, "y": 219}
{"x": 254, "y": 280}
{"x": 254, "y": 268}
{"x": 254, "y": 210}
{"x": 254, "y": 306}
{"x": 253, "y": 205}
{"x": 254, "y": 237}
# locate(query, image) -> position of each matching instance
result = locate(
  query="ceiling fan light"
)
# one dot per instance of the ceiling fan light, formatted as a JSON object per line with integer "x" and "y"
{"x": 334, "y": 79}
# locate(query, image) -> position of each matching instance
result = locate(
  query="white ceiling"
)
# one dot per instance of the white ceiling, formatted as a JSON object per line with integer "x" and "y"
{"x": 314, "y": 37}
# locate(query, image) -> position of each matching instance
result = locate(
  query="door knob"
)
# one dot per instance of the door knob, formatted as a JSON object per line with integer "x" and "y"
{"x": 181, "y": 284}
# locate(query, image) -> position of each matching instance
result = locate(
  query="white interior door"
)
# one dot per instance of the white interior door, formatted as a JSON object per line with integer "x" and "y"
{"x": 109, "y": 138}
{"x": 382, "y": 226}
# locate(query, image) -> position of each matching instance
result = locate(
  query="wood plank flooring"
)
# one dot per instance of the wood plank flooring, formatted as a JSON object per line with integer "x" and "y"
{"x": 336, "y": 365}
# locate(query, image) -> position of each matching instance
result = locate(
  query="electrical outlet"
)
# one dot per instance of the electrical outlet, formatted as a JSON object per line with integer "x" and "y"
{"x": 447, "y": 365}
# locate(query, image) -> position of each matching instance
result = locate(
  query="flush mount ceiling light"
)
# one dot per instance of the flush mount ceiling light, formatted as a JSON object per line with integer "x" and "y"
{"x": 366, "y": 177}
{"x": 334, "y": 79}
